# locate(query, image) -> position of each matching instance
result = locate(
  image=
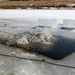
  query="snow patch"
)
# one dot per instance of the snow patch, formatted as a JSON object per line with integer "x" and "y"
{"x": 23, "y": 40}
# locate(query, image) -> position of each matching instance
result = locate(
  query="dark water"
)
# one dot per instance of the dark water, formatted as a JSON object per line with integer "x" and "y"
{"x": 62, "y": 48}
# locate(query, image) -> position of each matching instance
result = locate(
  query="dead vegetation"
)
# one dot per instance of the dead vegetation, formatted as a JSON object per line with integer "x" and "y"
{"x": 33, "y": 4}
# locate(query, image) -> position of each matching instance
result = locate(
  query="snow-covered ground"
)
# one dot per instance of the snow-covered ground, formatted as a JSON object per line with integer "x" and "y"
{"x": 14, "y": 13}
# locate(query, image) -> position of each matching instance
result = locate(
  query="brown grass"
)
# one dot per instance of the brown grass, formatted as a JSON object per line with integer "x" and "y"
{"x": 34, "y": 4}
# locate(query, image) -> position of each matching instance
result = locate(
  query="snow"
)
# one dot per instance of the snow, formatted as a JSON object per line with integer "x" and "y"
{"x": 13, "y": 13}
{"x": 23, "y": 40}
{"x": 40, "y": 36}
{"x": 46, "y": 34}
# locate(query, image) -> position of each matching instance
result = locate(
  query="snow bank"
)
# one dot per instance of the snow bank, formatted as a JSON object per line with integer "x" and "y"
{"x": 39, "y": 37}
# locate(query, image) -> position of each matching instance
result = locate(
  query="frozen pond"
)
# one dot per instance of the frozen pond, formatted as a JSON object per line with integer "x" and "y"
{"x": 20, "y": 27}
{"x": 15, "y": 66}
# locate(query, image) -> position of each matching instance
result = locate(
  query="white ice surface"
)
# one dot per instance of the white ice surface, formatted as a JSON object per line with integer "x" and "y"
{"x": 10, "y": 65}
{"x": 14, "y": 13}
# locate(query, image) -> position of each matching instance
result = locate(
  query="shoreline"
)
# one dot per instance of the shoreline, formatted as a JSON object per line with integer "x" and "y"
{"x": 36, "y": 4}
